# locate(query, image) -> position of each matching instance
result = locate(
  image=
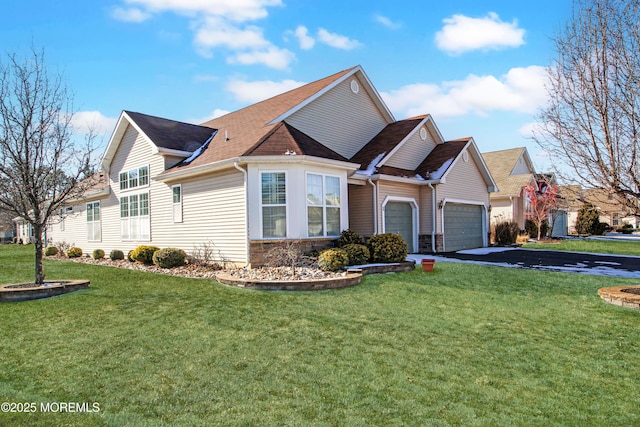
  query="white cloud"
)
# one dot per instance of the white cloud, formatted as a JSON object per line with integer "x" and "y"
{"x": 214, "y": 114}
{"x": 462, "y": 33}
{"x": 336, "y": 40}
{"x": 219, "y": 24}
{"x": 272, "y": 56}
{"x": 255, "y": 91}
{"x": 520, "y": 90}
{"x": 84, "y": 122}
{"x": 380, "y": 19}
{"x": 237, "y": 10}
{"x": 306, "y": 41}
{"x": 130, "y": 15}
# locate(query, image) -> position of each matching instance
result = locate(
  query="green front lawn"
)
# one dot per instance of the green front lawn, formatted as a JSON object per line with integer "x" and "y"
{"x": 465, "y": 345}
{"x": 591, "y": 245}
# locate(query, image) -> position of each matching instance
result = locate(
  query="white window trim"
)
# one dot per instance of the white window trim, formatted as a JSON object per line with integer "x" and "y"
{"x": 324, "y": 204}
{"x": 286, "y": 205}
{"x": 177, "y": 218}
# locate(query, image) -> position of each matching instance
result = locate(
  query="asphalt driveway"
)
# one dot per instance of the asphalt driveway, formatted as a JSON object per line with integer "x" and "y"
{"x": 586, "y": 263}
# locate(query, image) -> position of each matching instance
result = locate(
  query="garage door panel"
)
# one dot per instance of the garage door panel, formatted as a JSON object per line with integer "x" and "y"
{"x": 398, "y": 217}
{"x": 463, "y": 226}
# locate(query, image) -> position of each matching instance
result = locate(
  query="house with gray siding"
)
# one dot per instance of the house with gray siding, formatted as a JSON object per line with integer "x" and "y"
{"x": 303, "y": 165}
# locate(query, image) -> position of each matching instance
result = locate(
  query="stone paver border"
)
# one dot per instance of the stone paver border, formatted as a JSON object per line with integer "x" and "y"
{"x": 9, "y": 294}
{"x": 615, "y": 296}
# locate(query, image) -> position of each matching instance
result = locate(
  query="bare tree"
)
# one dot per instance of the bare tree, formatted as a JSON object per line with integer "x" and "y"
{"x": 40, "y": 164}
{"x": 591, "y": 125}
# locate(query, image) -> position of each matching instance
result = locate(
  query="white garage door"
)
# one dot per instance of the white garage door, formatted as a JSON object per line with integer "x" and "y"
{"x": 398, "y": 218}
{"x": 463, "y": 228}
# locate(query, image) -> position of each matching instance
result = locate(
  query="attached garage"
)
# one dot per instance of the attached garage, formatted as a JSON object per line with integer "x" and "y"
{"x": 399, "y": 218}
{"x": 463, "y": 226}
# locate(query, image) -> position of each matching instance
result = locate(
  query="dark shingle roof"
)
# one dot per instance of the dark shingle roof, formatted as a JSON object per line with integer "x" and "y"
{"x": 439, "y": 156}
{"x": 171, "y": 134}
{"x": 385, "y": 141}
{"x": 284, "y": 138}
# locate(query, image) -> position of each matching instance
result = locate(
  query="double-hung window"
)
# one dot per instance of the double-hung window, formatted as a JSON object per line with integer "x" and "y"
{"x": 176, "y": 194}
{"x": 323, "y": 205}
{"x": 274, "y": 204}
{"x": 94, "y": 230}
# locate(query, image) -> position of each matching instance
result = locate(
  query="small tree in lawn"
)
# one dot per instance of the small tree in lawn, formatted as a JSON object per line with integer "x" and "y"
{"x": 543, "y": 200}
{"x": 40, "y": 165}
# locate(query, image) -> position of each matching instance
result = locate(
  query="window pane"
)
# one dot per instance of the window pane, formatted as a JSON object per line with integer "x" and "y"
{"x": 274, "y": 221}
{"x": 124, "y": 180}
{"x": 144, "y": 175}
{"x": 177, "y": 194}
{"x": 333, "y": 221}
{"x": 89, "y": 212}
{"x": 124, "y": 207}
{"x": 314, "y": 189}
{"x": 314, "y": 221}
{"x": 133, "y": 178}
{"x": 274, "y": 188}
{"x": 96, "y": 211}
{"x": 133, "y": 205}
{"x": 144, "y": 204}
{"x": 332, "y": 191}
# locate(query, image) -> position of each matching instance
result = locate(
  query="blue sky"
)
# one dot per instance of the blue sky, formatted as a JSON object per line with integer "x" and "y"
{"x": 476, "y": 66}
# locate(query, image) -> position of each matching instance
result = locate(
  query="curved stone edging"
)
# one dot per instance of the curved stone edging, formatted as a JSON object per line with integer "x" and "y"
{"x": 36, "y": 292}
{"x": 396, "y": 267}
{"x": 351, "y": 279}
{"x": 615, "y": 296}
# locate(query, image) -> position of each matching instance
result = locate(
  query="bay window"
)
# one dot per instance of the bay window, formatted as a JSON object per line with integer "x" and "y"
{"x": 323, "y": 205}
{"x": 274, "y": 204}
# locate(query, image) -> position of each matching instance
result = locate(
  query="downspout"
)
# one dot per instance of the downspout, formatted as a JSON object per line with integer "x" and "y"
{"x": 246, "y": 211}
{"x": 434, "y": 217}
{"x": 375, "y": 206}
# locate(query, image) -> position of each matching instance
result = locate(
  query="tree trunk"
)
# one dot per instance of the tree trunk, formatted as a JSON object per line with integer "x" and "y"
{"x": 39, "y": 249}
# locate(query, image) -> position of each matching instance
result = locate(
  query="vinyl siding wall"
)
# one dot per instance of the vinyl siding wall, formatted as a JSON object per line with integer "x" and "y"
{"x": 213, "y": 209}
{"x": 340, "y": 119}
{"x": 521, "y": 167}
{"x": 361, "y": 209}
{"x": 412, "y": 152}
{"x": 464, "y": 183}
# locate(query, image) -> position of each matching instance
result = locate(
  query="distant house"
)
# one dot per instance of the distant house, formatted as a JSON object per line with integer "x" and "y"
{"x": 611, "y": 211}
{"x": 512, "y": 170}
{"x": 303, "y": 165}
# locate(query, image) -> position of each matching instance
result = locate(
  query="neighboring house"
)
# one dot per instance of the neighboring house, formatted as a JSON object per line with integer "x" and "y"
{"x": 303, "y": 166}
{"x": 611, "y": 211}
{"x": 512, "y": 170}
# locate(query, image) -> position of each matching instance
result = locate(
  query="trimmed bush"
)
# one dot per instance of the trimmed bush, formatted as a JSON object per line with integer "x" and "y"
{"x": 74, "y": 252}
{"x": 531, "y": 228}
{"x": 358, "y": 254}
{"x": 129, "y": 258}
{"x": 625, "y": 229}
{"x": 388, "y": 247}
{"x": 144, "y": 254}
{"x": 169, "y": 257}
{"x": 333, "y": 259}
{"x": 506, "y": 233}
{"x": 51, "y": 251}
{"x": 116, "y": 254}
{"x": 349, "y": 237}
{"x": 97, "y": 254}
